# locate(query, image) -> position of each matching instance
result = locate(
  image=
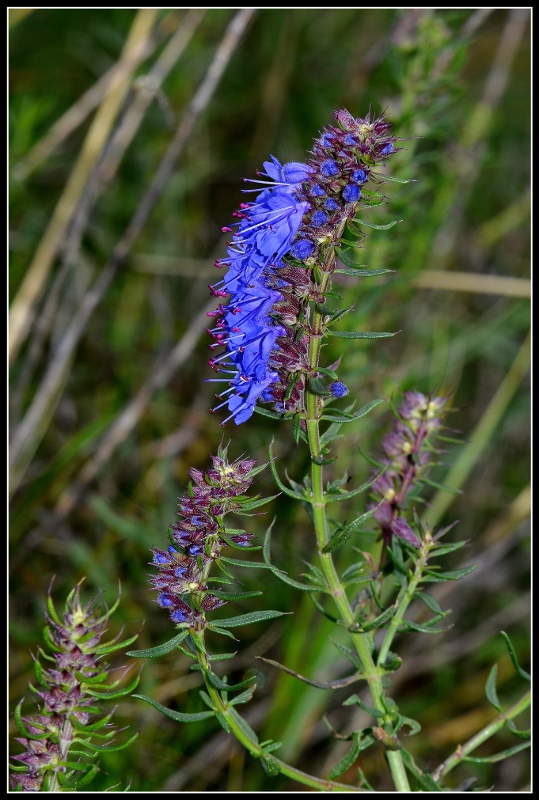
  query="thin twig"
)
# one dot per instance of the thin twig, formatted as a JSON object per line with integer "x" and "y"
{"x": 473, "y": 282}
{"x": 102, "y": 174}
{"x": 129, "y": 417}
{"x": 22, "y": 308}
{"x": 29, "y": 425}
{"x": 76, "y": 114}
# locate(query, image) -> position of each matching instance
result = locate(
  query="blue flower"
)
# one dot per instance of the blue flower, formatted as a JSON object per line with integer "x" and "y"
{"x": 246, "y": 326}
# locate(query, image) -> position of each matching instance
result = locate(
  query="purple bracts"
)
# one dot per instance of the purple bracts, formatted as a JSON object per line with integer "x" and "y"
{"x": 198, "y": 538}
{"x": 407, "y": 449}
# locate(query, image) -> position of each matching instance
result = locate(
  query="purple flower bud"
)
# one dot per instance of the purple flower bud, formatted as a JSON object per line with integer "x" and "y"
{"x": 317, "y": 191}
{"x": 165, "y": 601}
{"x": 179, "y": 616}
{"x": 331, "y": 205}
{"x": 338, "y": 389}
{"x": 401, "y": 529}
{"x": 319, "y": 218}
{"x": 351, "y": 193}
{"x": 359, "y": 176}
{"x": 329, "y": 168}
{"x": 302, "y": 249}
{"x": 387, "y": 149}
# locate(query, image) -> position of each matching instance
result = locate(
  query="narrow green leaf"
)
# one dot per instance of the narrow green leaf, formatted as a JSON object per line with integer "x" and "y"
{"x": 425, "y": 780}
{"x": 236, "y": 562}
{"x": 337, "y": 315}
{"x": 348, "y": 760}
{"x": 85, "y": 779}
{"x": 359, "y": 334}
{"x": 52, "y": 611}
{"x": 108, "y": 695}
{"x": 322, "y": 462}
{"x": 329, "y": 372}
{"x": 440, "y": 486}
{"x": 429, "y": 601}
{"x": 244, "y": 697}
{"x": 265, "y": 412}
{"x": 318, "y": 388}
{"x": 248, "y": 619}
{"x": 280, "y": 484}
{"x": 340, "y": 537}
{"x": 178, "y": 716}
{"x": 221, "y": 631}
{"x": 516, "y": 732}
{"x": 499, "y": 756}
{"x": 513, "y": 656}
{"x": 377, "y": 227}
{"x": 322, "y": 610}
{"x": 111, "y": 648}
{"x": 280, "y": 573}
{"x": 354, "y": 699}
{"x": 353, "y": 570}
{"x": 235, "y": 595}
{"x": 231, "y": 543}
{"x": 225, "y": 687}
{"x": 161, "y": 649}
{"x": 414, "y": 626}
{"x": 255, "y": 504}
{"x": 107, "y": 748}
{"x": 395, "y": 553}
{"x": 296, "y": 428}
{"x": 350, "y": 655}
{"x": 270, "y": 746}
{"x": 246, "y": 728}
{"x": 378, "y": 622}
{"x": 391, "y": 179}
{"x": 359, "y": 272}
{"x": 490, "y": 689}
{"x": 446, "y": 548}
{"x": 223, "y": 722}
{"x": 451, "y": 575}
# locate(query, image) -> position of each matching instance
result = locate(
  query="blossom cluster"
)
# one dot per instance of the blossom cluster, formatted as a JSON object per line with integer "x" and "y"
{"x": 280, "y": 236}
{"x": 66, "y": 695}
{"x": 198, "y": 538}
{"x": 407, "y": 449}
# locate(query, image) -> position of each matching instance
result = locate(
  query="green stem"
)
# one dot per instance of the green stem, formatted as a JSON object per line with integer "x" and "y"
{"x": 253, "y": 747}
{"x": 463, "y": 750}
{"x": 404, "y": 598}
{"x": 362, "y": 642}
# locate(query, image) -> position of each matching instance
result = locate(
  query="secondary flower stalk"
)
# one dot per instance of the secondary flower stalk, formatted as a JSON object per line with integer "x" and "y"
{"x": 66, "y": 697}
{"x": 407, "y": 449}
{"x": 198, "y": 538}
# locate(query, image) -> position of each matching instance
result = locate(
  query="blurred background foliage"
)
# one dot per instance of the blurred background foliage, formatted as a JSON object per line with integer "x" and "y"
{"x": 107, "y": 418}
